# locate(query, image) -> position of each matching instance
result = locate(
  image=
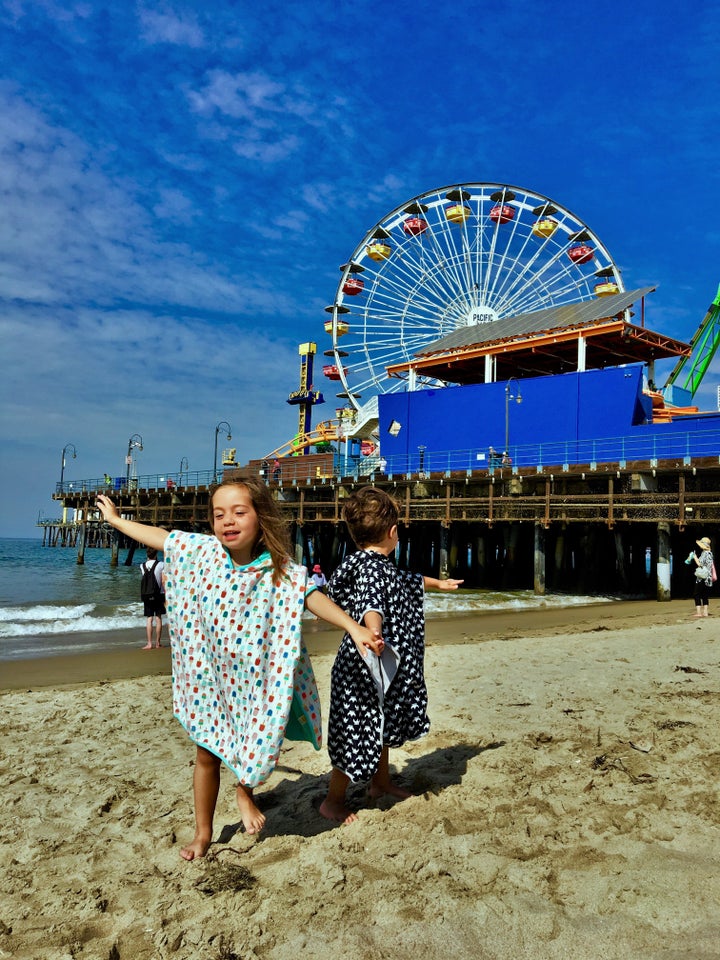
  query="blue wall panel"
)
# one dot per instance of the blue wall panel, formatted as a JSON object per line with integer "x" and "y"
{"x": 598, "y": 415}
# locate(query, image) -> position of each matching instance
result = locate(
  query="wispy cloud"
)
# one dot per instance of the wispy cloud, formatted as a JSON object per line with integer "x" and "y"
{"x": 161, "y": 24}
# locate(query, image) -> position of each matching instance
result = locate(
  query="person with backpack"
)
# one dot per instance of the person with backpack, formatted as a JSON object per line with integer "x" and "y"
{"x": 152, "y": 594}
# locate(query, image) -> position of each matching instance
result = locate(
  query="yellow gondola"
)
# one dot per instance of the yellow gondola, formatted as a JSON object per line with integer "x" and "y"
{"x": 606, "y": 289}
{"x": 545, "y": 227}
{"x": 378, "y": 251}
{"x": 341, "y": 327}
{"x": 457, "y": 213}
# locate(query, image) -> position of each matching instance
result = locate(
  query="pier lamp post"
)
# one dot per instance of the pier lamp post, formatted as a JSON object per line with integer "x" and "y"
{"x": 184, "y": 465}
{"x": 135, "y": 442}
{"x": 68, "y": 446}
{"x": 421, "y": 451}
{"x": 517, "y": 397}
{"x": 222, "y": 427}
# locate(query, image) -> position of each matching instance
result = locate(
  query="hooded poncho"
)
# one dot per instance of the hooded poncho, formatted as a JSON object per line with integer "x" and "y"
{"x": 242, "y": 678}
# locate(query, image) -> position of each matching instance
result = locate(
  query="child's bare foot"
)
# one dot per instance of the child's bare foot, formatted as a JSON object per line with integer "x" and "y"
{"x": 253, "y": 820}
{"x": 337, "y": 811}
{"x": 388, "y": 789}
{"x": 198, "y": 848}
{"x": 146, "y": 647}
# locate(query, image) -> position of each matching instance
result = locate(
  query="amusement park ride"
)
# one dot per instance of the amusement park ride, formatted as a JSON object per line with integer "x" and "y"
{"x": 473, "y": 284}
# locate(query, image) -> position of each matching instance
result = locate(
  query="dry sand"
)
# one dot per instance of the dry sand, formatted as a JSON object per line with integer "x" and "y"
{"x": 566, "y": 807}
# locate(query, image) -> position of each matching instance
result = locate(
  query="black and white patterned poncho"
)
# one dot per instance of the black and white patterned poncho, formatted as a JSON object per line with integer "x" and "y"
{"x": 377, "y": 703}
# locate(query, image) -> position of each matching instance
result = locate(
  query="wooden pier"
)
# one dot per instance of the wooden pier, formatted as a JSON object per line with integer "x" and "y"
{"x": 596, "y": 528}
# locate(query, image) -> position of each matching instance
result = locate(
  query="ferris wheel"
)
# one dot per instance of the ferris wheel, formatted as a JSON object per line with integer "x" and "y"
{"x": 454, "y": 257}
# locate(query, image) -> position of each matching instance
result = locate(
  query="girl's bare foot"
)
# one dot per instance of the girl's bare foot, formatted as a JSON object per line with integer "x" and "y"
{"x": 198, "y": 848}
{"x": 388, "y": 789}
{"x": 253, "y": 820}
{"x": 337, "y": 811}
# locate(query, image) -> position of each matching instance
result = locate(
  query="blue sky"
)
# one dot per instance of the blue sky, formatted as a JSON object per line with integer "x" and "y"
{"x": 181, "y": 182}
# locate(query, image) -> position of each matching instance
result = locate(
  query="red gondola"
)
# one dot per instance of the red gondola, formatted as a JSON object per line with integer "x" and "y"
{"x": 353, "y": 286}
{"x": 581, "y": 253}
{"x": 332, "y": 372}
{"x": 414, "y": 226}
{"x": 502, "y": 213}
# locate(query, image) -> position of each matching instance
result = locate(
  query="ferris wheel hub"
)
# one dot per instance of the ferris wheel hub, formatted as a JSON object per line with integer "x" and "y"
{"x": 480, "y": 314}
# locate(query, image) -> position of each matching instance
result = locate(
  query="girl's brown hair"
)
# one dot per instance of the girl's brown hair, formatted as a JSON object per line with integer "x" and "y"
{"x": 273, "y": 536}
{"x": 369, "y": 514}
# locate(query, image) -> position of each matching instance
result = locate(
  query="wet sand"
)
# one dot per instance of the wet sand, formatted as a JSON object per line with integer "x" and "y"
{"x": 565, "y": 806}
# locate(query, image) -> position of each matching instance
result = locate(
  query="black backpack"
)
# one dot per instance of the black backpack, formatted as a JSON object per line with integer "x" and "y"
{"x": 149, "y": 587}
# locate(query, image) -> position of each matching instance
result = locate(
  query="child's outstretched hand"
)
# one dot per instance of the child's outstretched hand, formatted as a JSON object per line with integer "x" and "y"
{"x": 441, "y": 584}
{"x": 107, "y": 507}
{"x": 449, "y": 584}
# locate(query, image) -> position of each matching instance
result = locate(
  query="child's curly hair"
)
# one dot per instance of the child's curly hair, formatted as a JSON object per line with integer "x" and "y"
{"x": 369, "y": 514}
{"x": 273, "y": 535}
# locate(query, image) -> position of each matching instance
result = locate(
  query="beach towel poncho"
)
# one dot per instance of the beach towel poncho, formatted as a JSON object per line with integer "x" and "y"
{"x": 242, "y": 678}
{"x": 377, "y": 702}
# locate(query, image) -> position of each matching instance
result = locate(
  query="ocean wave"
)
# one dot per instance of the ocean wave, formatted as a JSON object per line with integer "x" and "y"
{"x": 47, "y": 620}
{"x": 40, "y": 613}
{"x": 450, "y": 602}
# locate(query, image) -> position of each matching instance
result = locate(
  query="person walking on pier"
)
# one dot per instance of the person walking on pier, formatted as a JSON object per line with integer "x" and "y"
{"x": 376, "y": 702}
{"x": 704, "y": 576}
{"x": 152, "y": 594}
{"x": 242, "y": 679}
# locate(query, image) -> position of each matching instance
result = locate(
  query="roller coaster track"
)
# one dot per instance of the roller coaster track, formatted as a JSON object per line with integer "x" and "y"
{"x": 703, "y": 347}
{"x": 326, "y": 432}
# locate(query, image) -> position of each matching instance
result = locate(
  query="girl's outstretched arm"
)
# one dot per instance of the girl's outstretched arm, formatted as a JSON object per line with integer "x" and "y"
{"x": 142, "y": 532}
{"x": 325, "y": 608}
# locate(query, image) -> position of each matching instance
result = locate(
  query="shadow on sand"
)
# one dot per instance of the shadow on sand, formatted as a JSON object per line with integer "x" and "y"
{"x": 430, "y": 773}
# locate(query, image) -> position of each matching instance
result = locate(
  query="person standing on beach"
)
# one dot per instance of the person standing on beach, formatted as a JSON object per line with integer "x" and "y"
{"x": 318, "y": 577}
{"x": 704, "y": 569}
{"x": 376, "y": 702}
{"x": 153, "y": 602}
{"x": 242, "y": 679}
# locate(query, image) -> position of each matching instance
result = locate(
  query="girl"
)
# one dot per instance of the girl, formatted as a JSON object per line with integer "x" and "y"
{"x": 242, "y": 680}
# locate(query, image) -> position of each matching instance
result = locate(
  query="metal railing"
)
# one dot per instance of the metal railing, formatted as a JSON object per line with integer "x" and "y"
{"x": 683, "y": 446}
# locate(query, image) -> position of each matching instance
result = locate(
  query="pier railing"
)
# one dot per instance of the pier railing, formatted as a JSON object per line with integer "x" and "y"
{"x": 681, "y": 446}
{"x": 155, "y": 481}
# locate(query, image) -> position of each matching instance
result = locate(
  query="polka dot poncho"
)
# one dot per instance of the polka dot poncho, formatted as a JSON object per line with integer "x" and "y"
{"x": 242, "y": 678}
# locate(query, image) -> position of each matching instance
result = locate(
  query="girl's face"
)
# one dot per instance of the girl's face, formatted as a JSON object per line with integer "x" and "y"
{"x": 235, "y": 522}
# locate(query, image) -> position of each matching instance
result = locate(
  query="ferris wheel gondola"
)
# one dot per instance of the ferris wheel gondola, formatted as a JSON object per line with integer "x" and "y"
{"x": 454, "y": 257}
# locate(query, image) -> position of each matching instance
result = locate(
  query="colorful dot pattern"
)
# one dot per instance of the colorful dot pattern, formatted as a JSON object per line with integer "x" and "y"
{"x": 238, "y": 658}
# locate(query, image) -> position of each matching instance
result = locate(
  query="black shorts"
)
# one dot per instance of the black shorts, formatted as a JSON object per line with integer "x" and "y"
{"x": 155, "y": 607}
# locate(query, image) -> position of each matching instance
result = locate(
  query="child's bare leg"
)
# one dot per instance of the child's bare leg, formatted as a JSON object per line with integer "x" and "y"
{"x": 252, "y": 818}
{"x": 148, "y": 633}
{"x": 206, "y": 785}
{"x": 158, "y": 631}
{"x": 333, "y": 806}
{"x": 381, "y": 784}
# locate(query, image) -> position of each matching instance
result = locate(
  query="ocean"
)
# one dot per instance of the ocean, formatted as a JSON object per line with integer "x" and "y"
{"x": 49, "y": 605}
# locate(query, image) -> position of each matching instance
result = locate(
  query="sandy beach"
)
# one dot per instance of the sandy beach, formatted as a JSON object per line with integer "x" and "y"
{"x": 565, "y": 807}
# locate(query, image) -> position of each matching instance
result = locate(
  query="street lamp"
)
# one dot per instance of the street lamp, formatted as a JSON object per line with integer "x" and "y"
{"x": 421, "y": 450}
{"x": 183, "y": 465}
{"x": 68, "y": 446}
{"x": 135, "y": 441}
{"x": 517, "y": 397}
{"x": 222, "y": 426}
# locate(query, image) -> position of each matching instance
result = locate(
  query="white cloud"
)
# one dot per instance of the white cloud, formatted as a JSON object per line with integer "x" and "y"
{"x": 165, "y": 26}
